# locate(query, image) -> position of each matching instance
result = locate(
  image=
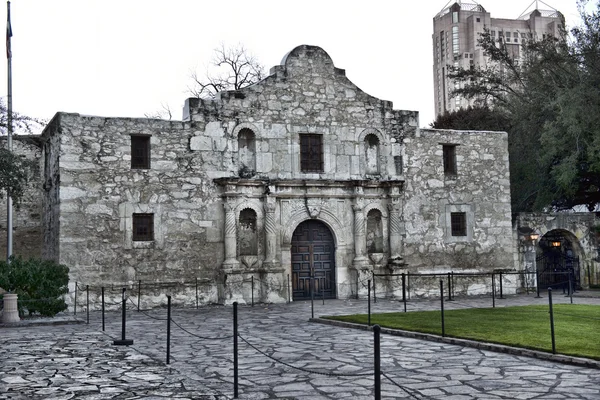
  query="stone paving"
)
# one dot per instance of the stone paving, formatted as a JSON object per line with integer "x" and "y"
{"x": 314, "y": 361}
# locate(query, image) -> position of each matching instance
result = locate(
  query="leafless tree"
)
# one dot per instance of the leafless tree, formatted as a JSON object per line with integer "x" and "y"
{"x": 163, "y": 113}
{"x": 232, "y": 68}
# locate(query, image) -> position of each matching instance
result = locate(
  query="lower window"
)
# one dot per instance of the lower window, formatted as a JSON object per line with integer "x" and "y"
{"x": 143, "y": 227}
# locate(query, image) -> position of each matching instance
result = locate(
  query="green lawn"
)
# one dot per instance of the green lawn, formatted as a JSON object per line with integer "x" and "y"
{"x": 576, "y": 327}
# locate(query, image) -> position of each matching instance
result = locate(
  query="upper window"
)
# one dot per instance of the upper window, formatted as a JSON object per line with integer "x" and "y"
{"x": 449, "y": 159}
{"x": 372, "y": 154}
{"x": 143, "y": 227}
{"x": 458, "y": 222}
{"x": 140, "y": 152}
{"x": 311, "y": 153}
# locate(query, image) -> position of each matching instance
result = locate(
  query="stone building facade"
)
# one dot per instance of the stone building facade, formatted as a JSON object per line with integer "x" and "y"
{"x": 302, "y": 174}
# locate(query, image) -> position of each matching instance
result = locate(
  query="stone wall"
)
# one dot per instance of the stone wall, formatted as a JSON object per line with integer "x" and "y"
{"x": 27, "y": 230}
{"x": 480, "y": 188}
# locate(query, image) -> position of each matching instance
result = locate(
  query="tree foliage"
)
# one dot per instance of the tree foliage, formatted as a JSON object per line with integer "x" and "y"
{"x": 550, "y": 97}
{"x": 232, "y": 68}
{"x": 40, "y": 284}
{"x": 15, "y": 173}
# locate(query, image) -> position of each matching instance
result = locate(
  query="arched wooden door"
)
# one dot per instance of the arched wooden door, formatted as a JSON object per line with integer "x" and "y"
{"x": 313, "y": 254}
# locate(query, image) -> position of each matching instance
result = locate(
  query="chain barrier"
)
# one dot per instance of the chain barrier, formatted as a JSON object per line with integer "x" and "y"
{"x": 199, "y": 336}
{"x": 330, "y": 374}
{"x": 144, "y": 312}
{"x": 412, "y": 395}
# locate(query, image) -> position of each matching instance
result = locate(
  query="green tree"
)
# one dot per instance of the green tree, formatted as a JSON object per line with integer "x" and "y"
{"x": 550, "y": 97}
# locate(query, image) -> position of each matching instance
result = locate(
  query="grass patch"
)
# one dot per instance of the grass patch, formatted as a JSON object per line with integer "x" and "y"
{"x": 576, "y": 326}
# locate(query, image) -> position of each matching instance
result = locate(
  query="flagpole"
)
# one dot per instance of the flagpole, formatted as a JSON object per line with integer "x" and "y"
{"x": 9, "y": 208}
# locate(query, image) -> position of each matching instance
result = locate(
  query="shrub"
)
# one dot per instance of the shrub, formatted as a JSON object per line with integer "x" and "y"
{"x": 40, "y": 284}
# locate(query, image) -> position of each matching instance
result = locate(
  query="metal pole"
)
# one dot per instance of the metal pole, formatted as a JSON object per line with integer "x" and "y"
{"x": 442, "y": 306}
{"x": 571, "y": 286}
{"x": 501, "y": 294}
{"x": 312, "y": 297}
{"x": 87, "y": 303}
{"x": 235, "y": 350}
{"x": 139, "y": 293}
{"x": 408, "y": 283}
{"x": 377, "y": 361}
{"x": 196, "y": 293}
{"x": 123, "y": 341}
{"x": 551, "y": 320}
{"x": 323, "y": 291}
{"x": 493, "y": 291}
{"x": 103, "y": 326}
{"x": 9, "y": 207}
{"x": 404, "y": 290}
{"x": 252, "y": 288}
{"x": 168, "y": 329}
{"x": 537, "y": 284}
{"x": 75, "y": 305}
{"x": 289, "y": 294}
{"x": 369, "y": 302}
{"x": 374, "y": 293}
{"x": 449, "y": 288}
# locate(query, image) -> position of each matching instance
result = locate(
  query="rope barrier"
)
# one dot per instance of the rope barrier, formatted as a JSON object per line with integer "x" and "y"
{"x": 331, "y": 374}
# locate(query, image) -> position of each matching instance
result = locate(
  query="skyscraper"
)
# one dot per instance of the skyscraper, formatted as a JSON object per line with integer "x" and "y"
{"x": 457, "y": 28}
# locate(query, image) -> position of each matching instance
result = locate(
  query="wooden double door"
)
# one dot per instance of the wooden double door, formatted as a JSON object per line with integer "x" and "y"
{"x": 313, "y": 259}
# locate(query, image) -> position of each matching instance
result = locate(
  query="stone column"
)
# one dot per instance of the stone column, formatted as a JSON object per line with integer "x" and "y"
{"x": 11, "y": 310}
{"x": 270, "y": 234}
{"x": 231, "y": 261}
{"x": 360, "y": 261}
{"x": 396, "y": 243}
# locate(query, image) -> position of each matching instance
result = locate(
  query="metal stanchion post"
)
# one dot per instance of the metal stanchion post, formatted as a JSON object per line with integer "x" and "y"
{"x": 75, "y": 304}
{"x": 442, "y": 306}
{"x": 323, "y": 291}
{"x": 377, "y": 360}
{"x": 289, "y": 294}
{"x": 87, "y": 303}
{"x": 235, "y": 350}
{"x": 404, "y": 290}
{"x": 501, "y": 294}
{"x": 493, "y": 291}
{"x": 168, "y": 329}
{"x": 449, "y": 288}
{"x": 537, "y": 284}
{"x": 252, "y": 288}
{"x": 551, "y": 320}
{"x": 374, "y": 293}
{"x": 139, "y": 293}
{"x": 103, "y": 326}
{"x": 571, "y": 286}
{"x": 369, "y": 302}
{"x": 196, "y": 293}
{"x": 123, "y": 341}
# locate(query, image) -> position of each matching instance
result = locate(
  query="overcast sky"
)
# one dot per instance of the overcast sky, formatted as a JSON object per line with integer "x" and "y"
{"x": 126, "y": 57}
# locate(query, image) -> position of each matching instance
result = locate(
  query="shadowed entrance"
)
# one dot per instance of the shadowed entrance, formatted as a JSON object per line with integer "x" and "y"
{"x": 313, "y": 254}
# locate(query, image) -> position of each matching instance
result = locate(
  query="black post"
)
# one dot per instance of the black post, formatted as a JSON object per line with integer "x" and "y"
{"x": 374, "y": 293}
{"x": 323, "y": 291}
{"x": 537, "y": 284}
{"x": 449, "y": 288}
{"x": 103, "y": 326}
{"x": 75, "y": 305}
{"x": 252, "y": 288}
{"x": 87, "y": 303}
{"x": 369, "y": 302}
{"x": 452, "y": 282}
{"x": 493, "y": 290}
{"x": 551, "y": 320}
{"x": 235, "y": 350}
{"x": 196, "y": 293}
{"x": 168, "y": 329}
{"x": 377, "y": 359}
{"x": 123, "y": 341}
{"x": 501, "y": 294}
{"x": 589, "y": 276}
{"x": 312, "y": 296}
{"x": 571, "y": 286}
{"x": 139, "y": 293}
{"x": 442, "y": 306}
{"x": 408, "y": 283}
{"x": 404, "y": 290}
{"x": 289, "y": 294}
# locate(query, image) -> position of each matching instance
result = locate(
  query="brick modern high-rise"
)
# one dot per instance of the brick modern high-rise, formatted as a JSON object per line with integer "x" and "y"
{"x": 459, "y": 25}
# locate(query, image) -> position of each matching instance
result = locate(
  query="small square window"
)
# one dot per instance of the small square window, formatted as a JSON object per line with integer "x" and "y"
{"x": 449, "y": 159}
{"x": 458, "y": 222}
{"x": 478, "y": 19}
{"x": 143, "y": 227}
{"x": 311, "y": 153}
{"x": 140, "y": 152}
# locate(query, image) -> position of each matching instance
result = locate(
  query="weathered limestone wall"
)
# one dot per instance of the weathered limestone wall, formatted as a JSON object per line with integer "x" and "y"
{"x": 27, "y": 229}
{"x": 89, "y": 208}
{"x": 481, "y": 189}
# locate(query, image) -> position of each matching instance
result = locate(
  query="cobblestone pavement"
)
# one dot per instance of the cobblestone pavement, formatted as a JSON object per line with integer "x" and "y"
{"x": 281, "y": 355}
